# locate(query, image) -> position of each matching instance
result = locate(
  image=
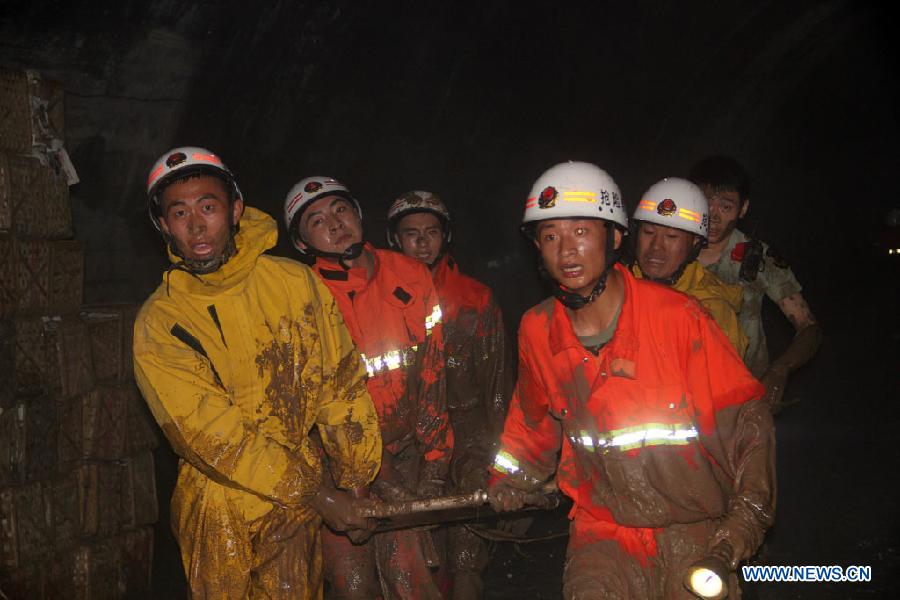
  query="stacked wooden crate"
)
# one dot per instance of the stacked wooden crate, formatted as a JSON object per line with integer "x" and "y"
{"x": 77, "y": 484}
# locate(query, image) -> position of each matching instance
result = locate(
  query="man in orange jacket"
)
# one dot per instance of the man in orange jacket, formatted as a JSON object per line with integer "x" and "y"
{"x": 632, "y": 395}
{"x": 478, "y": 371}
{"x": 391, "y": 308}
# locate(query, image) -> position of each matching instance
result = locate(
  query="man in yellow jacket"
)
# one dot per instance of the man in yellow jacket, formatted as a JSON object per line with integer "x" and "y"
{"x": 240, "y": 356}
{"x": 672, "y": 227}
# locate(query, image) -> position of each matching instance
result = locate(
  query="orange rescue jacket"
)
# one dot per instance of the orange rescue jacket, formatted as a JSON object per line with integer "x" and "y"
{"x": 395, "y": 320}
{"x": 653, "y": 431}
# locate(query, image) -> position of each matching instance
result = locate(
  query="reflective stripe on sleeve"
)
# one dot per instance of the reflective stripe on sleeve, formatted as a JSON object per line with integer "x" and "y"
{"x": 649, "y": 434}
{"x": 433, "y": 319}
{"x": 505, "y": 463}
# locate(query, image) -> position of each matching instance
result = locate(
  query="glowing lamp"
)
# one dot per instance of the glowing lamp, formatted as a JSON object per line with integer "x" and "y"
{"x": 708, "y": 578}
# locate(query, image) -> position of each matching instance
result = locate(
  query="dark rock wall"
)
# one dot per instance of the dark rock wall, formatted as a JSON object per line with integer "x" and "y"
{"x": 471, "y": 100}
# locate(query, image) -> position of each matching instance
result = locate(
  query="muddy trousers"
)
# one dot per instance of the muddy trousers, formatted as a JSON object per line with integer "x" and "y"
{"x": 468, "y": 556}
{"x": 278, "y": 555}
{"x": 598, "y": 565}
{"x": 352, "y": 571}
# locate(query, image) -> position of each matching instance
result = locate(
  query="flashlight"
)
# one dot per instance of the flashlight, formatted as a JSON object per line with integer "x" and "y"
{"x": 708, "y": 578}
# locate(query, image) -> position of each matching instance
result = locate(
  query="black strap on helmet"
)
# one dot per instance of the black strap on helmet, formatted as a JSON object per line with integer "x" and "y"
{"x": 576, "y": 301}
{"x": 353, "y": 251}
{"x": 674, "y": 277}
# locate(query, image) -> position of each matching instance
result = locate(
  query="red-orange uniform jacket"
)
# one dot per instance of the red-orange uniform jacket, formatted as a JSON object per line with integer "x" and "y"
{"x": 395, "y": 321}
{"x": 662, "y": 427}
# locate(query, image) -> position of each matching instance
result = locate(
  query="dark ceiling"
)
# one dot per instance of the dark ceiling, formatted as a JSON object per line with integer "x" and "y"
{"x": 473, "y": 101}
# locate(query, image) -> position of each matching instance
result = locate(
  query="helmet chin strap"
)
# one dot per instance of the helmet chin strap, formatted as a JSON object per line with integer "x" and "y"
{"x": 576, "y": 301}
{"x": 353, "y": 251}
{"x": 205, "y": 267}
{"x": 674, "y": 277}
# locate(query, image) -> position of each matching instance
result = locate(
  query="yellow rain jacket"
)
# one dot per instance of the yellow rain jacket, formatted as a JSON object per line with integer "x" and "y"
{"x": 237, "y": 367}
{"x": 723, "y": 301}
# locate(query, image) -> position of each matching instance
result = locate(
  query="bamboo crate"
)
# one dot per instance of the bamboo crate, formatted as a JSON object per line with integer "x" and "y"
{"x": 38, "y": 424}
{"x": 101, "y": 488}
{"x": 33, "y": 111}
{"x": 92, "y": 425}
{"x": 26, "y": 530}
{"x": 34, "y": 356}
{"x": 65, "y": 511}
{"x": 143, "y": 432}
{"x": 26, "y": 583}
{"x": 127, "y": 314}
{"x": 51, "y": 354}
{"x": 74, "y": 372}
{"x": 137, "y": 560}
{"x": 34, "y": 200}
{"x": 7, "y": 365}
{"x": 107, "y": 354}
{"x": 97, "y": 572}
{"x": 49, "y": 276}
{"x": 9, "y": 285}
{"x": 10, "y": 447}
{"x": 28, "y": 447}
{"x": 139, "y": 498}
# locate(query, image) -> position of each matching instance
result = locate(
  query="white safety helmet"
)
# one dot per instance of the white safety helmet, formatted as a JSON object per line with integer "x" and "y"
{"x": 180, "y": 162}
{"x": 417, "y": 201}
{"x": 575, "y": 190}
{"x": 675, "y": 202}
{"x": 305, "y": 192}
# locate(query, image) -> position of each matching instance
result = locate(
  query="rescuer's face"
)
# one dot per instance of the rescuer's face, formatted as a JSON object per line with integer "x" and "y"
{"x": 574, "y": 251}
{"x": 725, "y": 208}
{"x": 661, "y": 250}
{"x": 421, "y": 236}
{"x": 197, "y": 214}
{"x": 331, "y": 224}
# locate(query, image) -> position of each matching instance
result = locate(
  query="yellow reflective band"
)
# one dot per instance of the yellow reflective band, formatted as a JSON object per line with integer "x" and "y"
{"x": 505, "y": 463}
{"x": 647, "y": 205}
{"x": 689, "y": 215}
{"x": 649, "y": 434}
{"x": 577, "y": 196}
{"x": 390, "y": 360}
{"x": 433, "y": 319}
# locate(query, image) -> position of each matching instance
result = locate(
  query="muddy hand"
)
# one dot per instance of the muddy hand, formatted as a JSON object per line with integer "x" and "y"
{"x": 505, "y": 498}
{"x": 774, "y": 381}
{"x": 339, "y": 511}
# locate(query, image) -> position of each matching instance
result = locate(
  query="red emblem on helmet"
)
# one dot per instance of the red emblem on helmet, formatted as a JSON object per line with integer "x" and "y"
{"x": 312, "y": 186}
{"x": 667, "y": 207}
{"x": 175, "y": 159}
{"x": 548, "y": 197}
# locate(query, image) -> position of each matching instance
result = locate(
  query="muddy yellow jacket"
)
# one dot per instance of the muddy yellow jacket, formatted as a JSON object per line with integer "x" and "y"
{"x": 238, "y": 366}
{"x": 723, "y": 301}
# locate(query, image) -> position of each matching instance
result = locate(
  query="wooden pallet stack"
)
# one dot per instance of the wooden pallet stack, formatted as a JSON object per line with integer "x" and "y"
{"x": 77, "y": 483}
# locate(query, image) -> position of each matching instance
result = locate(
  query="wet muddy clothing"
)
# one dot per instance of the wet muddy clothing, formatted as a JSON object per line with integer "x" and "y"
{"x": 395, "y": 319}
{"x": 479, "y": 384}
{"x": 774, "y": 279}
{"x": 597, "y": 567}
{"x": 237, "y": 366}
{"x": 722, "y": 300}
{"x": 662, "y": 428}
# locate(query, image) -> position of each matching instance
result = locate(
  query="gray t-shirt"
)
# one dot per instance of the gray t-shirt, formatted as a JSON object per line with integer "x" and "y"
{"x": 775, "y": 280}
